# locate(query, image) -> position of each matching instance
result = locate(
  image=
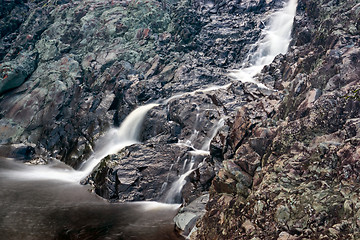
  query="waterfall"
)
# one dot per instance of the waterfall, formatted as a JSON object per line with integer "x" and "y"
{"x": 112, "y": 142}
{"x": 275, "y": 40}
{"x": 117, "y": 138}
{"x": 174, "y": 193}
{"x": 206, "y": 145}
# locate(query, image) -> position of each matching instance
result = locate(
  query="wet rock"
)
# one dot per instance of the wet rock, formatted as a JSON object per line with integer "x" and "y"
{"x": 15, "y": 73}
{"x": 283, "y": 163}
{"x": 186, "y": 219}
{"x": 18, "y": 151}
{"x": 296, "y": 179}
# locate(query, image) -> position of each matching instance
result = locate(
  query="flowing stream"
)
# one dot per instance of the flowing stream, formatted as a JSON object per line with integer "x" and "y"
{"x": 112, "y": 142}
{"x": 174, "y": 194}
{"x": 275, "y": 40}
{"x": 39, "y": 202}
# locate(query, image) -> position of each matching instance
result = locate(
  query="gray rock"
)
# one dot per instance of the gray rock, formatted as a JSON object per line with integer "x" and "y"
{"x": 14, "y": 73}
{"x": 187, "y": 216}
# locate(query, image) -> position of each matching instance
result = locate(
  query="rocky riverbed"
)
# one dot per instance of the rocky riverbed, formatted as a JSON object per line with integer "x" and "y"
{"x": 283, "y": 160}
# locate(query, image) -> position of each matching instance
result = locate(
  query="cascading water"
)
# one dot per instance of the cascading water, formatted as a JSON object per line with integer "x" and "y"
{"x": 117, "y": 139}
{"x": 174, "y": 193}
{"x": 206, "y": 145}
{"x": 51, "y": 208}
{"x": 275, "y": 40}
{"x": 208, "y": 89}
{"x": 112, "y": 142}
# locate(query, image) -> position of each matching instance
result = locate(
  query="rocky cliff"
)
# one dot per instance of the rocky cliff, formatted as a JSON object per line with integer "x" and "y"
{"x": 291, "y": 160}
{"x": 284, "y": 161}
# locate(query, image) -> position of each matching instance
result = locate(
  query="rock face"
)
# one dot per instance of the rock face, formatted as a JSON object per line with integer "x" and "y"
{"x": 290, "y": 160}
{"x": 279, "y": 163}
{"x": 78, "y": 59}
{"x": 74, "y": 68}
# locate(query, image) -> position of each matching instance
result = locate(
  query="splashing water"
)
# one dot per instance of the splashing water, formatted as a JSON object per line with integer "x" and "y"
{"x": 276, "y": 39}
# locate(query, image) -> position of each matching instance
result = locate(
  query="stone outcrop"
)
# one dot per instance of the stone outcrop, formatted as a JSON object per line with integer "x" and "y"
{"x": 292, "y": 170}
{"x": 88, "y": 64}
{"x": 284, "y": 161}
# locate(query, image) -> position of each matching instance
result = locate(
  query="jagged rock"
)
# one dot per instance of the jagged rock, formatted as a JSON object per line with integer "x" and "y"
{"x": 304, "y": 144}
{"x": 284, "y": 161}
{"x": 79, "y": 74}
{"x": 239, "y": 128}
{"x": 14, "y": 73}
{"x": 185, "y": 220}
{"x": 142, "y": 172}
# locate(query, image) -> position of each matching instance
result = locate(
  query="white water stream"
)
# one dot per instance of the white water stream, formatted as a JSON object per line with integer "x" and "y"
{"x": 118, "y": 138}
{"x": 174, "y": 192}
{"x": 28, "y": 203}
{"x": 275, "y": 40}
{"x": 112, "y": 142}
